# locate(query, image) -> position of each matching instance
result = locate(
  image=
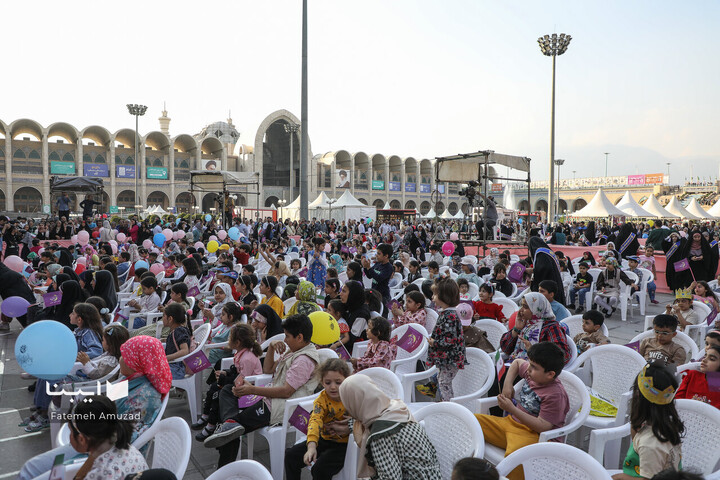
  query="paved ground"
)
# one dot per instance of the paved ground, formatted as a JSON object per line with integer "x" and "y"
{"x": 18, "y": 446}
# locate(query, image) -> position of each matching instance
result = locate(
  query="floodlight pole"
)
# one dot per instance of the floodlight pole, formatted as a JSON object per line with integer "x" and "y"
{"x": 304, "y": 121}
{"x": 137, "y": 111}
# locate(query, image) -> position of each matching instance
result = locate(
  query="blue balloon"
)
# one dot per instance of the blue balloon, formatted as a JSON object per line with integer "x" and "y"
{"x": 177, "y": 221}
{"x": 141, "y": 264}
{"x": 233, "y": 233}
{"x": 34, "y": 356}
{"x": 93, "y": 225}
{"x": 159, "y": 240}
{"x": 208, "y": 217}
{"x": 520, "y": 221}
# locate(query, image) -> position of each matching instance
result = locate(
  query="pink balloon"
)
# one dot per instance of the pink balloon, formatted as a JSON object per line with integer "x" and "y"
{"x": 199, "y": 245}
{"x": 147, "y": 243}
{"x": 81, "y": 261}
{"x": 328, "y": 247}
{"x": 222, "y": 234}
{"x": 179, "y": 235}
{"x": 74, "y": 239}
{"x": 453, "y": 236}
{"x": 114, "y": 248}
{"x": 156, "y": 268}
{"x": 168, "y": 234}
{"x": 448, "y": 248}
{"x": 121, "y": 237}
{"x": 83, "y": 237}
{"x": 14, "y": 263}
{"x": 213, "y": 238}
{"x": 41, "y": 251}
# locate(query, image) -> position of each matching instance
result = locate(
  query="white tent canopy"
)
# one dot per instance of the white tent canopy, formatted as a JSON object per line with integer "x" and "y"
{"x": 320, "y": 201}
{"x": 600, "y": 206}
{"x": 676, "y": 208}
{"x": 386, "y": 206}
{"x": 715, "y": 209}
{"x": 633, "y": 209}
{"x": 446, "y": 215}
{"x": 653, "y": 206}
{"x": 695, "y": 208}
{"x": 348, "y": 207}
{"x": 430, "y": 214}
{"x": 459, "y": 215}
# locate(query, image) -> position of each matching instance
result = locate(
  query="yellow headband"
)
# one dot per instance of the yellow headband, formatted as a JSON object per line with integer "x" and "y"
{"x": 652, "y": 394}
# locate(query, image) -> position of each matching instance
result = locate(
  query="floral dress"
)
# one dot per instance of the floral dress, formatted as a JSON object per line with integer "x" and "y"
{"x": 317, "y": 269}
{"x": 448, "y": 348}
{"x": 379, "y": 354}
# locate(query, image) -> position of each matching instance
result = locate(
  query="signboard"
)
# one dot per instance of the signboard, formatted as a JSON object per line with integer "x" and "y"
{"x": 410, "y": 187}
{"x": 361, "y": 179}
{"x": 378, "y": 185}
{"x": 496, "y": 188}
{"x": 114, "y": 209}
{"x": 425, "y": 188}
{"x": 636, "y": 179}
{"x": 157, "y": 173}
{"x": 394, "y": 186}
{"x": 172, "y": 209}
{"x": 125, "y": 171}
{"x": 46, "y": 209}
{"x": 441, "y": 188}
{"x": 62, "y": 168}
{"x": 95, "y": 170}
{"x": 342, "y": 179}
{"x": 210, "y": 164}
{"x": 654, "y": 179}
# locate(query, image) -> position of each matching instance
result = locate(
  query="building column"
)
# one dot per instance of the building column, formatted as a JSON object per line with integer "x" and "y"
{"x": 80, "y": 162}
{"x": 370, "y": 180}
{"x": 402, "y": 183}
{"x": 46, "y": 172}
{"x": 387, "y": 182}
{"x": 143, "y": 175}
{"x": 224, "y": 158}
{"x": 433, "y": 187}
{"x": 198, "y": 160}
{"x": 171, "y": 175}
{"x": 352, "y": 175}
{"x": 333, "y": 173}
{"x": 113, "y": 193}
{"x": 9, "y": 194}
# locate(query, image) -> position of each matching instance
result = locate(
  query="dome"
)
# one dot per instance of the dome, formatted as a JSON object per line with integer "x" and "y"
{"x": 223, "y": 131}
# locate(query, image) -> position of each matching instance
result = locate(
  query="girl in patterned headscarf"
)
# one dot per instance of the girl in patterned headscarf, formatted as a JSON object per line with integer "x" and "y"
{"x": 337, "y": 263}
{"x": 306, "y": 296}
{"x": 535, "y": 323}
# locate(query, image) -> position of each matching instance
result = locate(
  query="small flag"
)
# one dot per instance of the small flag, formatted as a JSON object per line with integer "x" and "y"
{"x": 166, "y": 264}
{"x": 193, "y": 292}
{"x": 682, "y": 265}
{"x": 27, "y": 271}
{"x": 197, "y": 362}
{"x": 342, "y": 353}
{"x": 499, "y": 365}
{"x": 299, "y": 419}
{"x": 517, "y": 270}
{"x": 634, "y": 345}
{"x": 713, "y": 380}
{"x": 248, "y": 400}
{"x": 410, "y": 340}
{"x": 51, "y": 299}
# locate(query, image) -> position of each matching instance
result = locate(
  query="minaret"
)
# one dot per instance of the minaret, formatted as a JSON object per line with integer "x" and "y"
{"x": 164, "y": 122}
{"x": 229, "y": 119}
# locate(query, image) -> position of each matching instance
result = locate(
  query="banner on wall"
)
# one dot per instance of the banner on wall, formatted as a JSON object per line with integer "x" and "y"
{"x": 496, "y": 188}
{"x": 378, "y": 185}
{"x": 441, "y": 188}
{"x": 95, "y": 170}
{"x": 125, "y": 171}
{"x": 636, "y": 179}
{"x": 394, "y": 186}
{"x": 361, "y": 179}
{"x": 210, "y": 165}
{"x": 654, "y": 178}
{"x": 410, "y": 187}
{"x": 425, "y": 188}
{"x": 157, "y": 173}
{"x": 342, "y": 178}
{"x": 114, "y": 209}
{"x": 62, "y": 168}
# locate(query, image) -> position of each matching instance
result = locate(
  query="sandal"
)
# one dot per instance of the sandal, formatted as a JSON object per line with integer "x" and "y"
{"x": 40, "y": 424}
{"x": 28, "y": 420}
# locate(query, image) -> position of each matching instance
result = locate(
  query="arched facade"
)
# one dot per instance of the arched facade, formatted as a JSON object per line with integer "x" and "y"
{"x": 578, "y": 204}
{"x": 28, "y": 200}
{"x": 541, "y": 205}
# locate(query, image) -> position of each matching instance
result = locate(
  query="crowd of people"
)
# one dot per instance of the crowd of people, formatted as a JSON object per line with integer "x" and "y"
{"x": 371, "y": 277}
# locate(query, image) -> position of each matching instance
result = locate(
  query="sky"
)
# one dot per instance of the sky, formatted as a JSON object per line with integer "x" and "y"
{"x": 416, "y": 78}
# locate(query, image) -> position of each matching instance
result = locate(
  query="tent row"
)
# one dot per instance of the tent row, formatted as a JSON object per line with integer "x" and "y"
{"x": 347, "y": 207}
{"x": 600, "y": 206}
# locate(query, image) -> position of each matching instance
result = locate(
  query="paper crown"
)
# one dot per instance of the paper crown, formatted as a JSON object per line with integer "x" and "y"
{"x": 652, "y": 394}
{"x": 684, "y": 293}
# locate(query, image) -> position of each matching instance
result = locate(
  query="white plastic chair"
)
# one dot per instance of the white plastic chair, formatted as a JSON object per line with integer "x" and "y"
{"x": 691, "y": 348}
{"x": 405, "y": 362}
{"x": 508, "y": 306}
{"x": 454, "y": 432}
{"x": 573, "y": 351}
{"x": 193, "y": 384}
{"x": 517, "y": 296}
{"x": 590, "y": 295}
{"x": 579, "y": 400}
{"x": 543, "y": 461}
{"x": 289, "y": 303}
{"x": 430, "y": 320}
{"x": 241, "y": 470}
{"x": 494, "y": 329}
{"x": 610, "y": 371}
{"x": 386, "y": 381}
{"x": 625, "y": 296}
{"x": 574, "y": 324}
{"x": 171, "y": 445}
{"x": 326, "y": 354}
{"x": 642, "y": 294}
{"x": 473, "y": 291}
{"x": 475, "y": 380}
{"x": 700, "y": 450}
{"x": 697, "y": 332}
